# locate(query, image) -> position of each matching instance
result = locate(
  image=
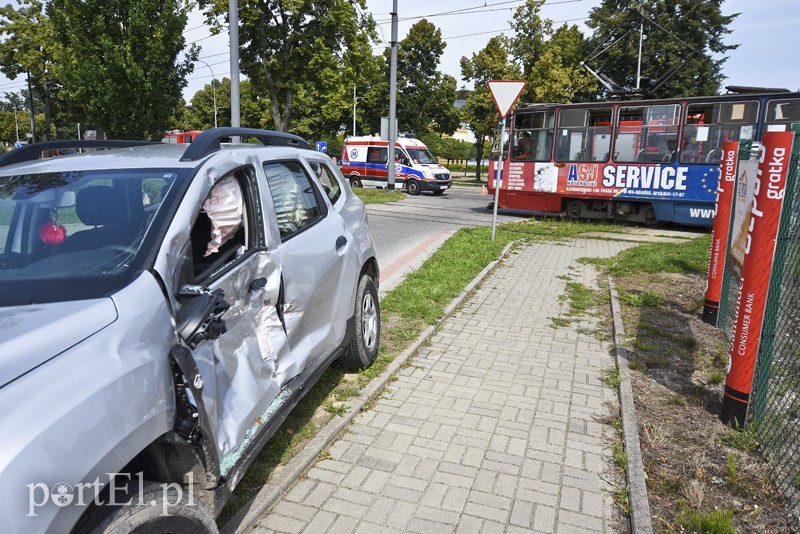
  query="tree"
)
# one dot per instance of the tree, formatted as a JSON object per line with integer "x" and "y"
{"x": 550, "y": 59}
{"x": 119, "y": 65}
{"x": 304, "y": 51}
{"x": 675, "y": 31}
{"x": 558, "y": 75}
{"x": 254, "y": 113}
{"x": 425, "y": 96}
{"x": 30, "y": 48}
{"x": 480, "y": 112}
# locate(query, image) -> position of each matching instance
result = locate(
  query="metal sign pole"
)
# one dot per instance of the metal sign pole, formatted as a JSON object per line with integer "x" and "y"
{"x": 498, "y": 175}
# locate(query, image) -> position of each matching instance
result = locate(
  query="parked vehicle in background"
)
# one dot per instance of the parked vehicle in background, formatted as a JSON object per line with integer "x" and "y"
{"x": 646, "y": 161}
{"x": 162, "y": 309}
{"x": 179, "y": 136}
{"x": 365, "y": 163}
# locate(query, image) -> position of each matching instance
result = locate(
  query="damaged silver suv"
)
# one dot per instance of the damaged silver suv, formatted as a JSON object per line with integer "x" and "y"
{"x": 162, "y": 309}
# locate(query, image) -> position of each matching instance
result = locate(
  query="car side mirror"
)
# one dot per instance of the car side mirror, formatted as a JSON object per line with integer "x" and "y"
{"x": 200, "y": 316}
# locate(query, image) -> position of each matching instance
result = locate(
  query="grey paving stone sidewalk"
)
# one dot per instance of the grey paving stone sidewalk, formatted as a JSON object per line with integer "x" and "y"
{"x": 493, "y": 427}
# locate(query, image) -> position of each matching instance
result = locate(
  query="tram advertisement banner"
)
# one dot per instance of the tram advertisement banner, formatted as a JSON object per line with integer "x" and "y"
{"x": 720, "y": 230}
{"x": 769, "y": 186}
{"x": 599, "y": 180}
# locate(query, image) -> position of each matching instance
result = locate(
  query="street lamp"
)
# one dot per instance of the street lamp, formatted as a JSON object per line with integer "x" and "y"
{"x": 355, "y": 102}
{"x": 213, "y": 88}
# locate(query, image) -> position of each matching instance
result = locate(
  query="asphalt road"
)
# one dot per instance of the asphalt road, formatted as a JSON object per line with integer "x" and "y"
{"x": 407, "y": 232}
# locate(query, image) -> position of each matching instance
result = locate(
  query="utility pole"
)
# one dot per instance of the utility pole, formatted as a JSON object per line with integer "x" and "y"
{"x": 233, "y": 18}
{"x": 30, "y": 99}
{"x": 392, "y": 100}
{"x": 355, "y": 101}
{"x": 641, "y": 38}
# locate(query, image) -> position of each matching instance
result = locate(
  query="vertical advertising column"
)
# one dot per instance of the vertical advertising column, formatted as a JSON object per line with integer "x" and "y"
{"x": 720, "y": 231}
{"x": 770, "y": 183}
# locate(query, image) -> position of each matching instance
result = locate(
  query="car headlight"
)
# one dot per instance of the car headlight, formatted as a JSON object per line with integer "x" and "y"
{"x": 428, "y": 175}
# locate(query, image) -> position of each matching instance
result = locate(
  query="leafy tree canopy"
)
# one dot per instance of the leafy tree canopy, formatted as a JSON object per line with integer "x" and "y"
{"x": 119, "y": 66}
{"x": 30, "y": 47}
{"x": 425, "y": 96}
{"x": 549, "y": 59}
{"x": 305, "y": 50}
{"x": 480, "y": 112}
{"x": 675, "y": 31}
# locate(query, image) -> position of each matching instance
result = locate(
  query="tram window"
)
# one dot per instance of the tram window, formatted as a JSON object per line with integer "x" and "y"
{"x": 583, "y": 134}
{"x": 708, "y": 125}
{"x": 647, "y": 134}
{"x": 781, "y": 114}
{"x": 533, "y": 136}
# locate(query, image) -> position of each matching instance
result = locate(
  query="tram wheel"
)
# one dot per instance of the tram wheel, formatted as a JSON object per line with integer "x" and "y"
{"x": 575, "y": 209}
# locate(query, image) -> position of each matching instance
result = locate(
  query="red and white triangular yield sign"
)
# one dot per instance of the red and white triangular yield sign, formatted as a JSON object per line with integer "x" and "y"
{"x": 505, "y": 93}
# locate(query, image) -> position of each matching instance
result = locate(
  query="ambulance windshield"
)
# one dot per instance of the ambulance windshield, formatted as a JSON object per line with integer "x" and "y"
{"x": 421, "y": 155}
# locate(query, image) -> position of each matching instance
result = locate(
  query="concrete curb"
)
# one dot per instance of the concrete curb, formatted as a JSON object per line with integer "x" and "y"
{"x": 286, "y": 476}
{"x": 639, "y": 503}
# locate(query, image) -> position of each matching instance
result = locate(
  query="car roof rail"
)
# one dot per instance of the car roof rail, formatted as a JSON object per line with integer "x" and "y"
{"x": 209, "y": 141}
{"x": 34, "y": 151}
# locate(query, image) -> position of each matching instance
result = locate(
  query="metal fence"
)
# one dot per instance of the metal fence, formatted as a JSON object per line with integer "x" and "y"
{"x": 775, "y": 399}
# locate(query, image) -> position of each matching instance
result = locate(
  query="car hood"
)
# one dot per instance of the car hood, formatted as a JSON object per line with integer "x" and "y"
{"x": 31, "y": 335}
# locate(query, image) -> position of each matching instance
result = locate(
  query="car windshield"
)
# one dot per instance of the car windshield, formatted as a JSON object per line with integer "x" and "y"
{"x": 77, "y": 235}
{"x": 421, "y": 155}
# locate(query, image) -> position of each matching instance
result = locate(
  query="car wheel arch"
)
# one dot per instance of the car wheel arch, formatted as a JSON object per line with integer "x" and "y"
{"x": 167, "y": 459}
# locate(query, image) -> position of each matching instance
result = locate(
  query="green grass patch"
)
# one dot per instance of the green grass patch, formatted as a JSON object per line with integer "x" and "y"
{"x": 690, "y": 257}
{"x": 553, "y": 228}
{"x": 732, "y": 473}
{"x": 640, "y": 298}
{"x": 744, "y": 440}
{"x": 582, "y": 298}
{"x": 371, "y": 195}
{"x": 612, "y": 377}
{"x": 711, "y": 522}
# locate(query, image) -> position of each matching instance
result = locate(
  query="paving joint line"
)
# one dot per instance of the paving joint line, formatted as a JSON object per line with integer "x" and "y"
{"x": 640, "y": 519}
{"x": 271, "y": 492}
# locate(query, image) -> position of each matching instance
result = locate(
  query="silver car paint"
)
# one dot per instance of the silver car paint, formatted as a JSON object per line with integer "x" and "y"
{"x": 26, "y": 332}
{"x": 88, "y": 411}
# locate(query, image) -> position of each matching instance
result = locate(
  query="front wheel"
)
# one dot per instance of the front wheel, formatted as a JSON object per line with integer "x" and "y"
{"x": 157, "y": 508}
{"x": 412, "y": 187}
{"x": 367, "y": 332}
{"x": 354, "y": 182}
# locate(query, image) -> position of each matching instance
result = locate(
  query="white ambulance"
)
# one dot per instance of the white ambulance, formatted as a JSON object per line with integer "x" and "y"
{"x": 364, "y": 163}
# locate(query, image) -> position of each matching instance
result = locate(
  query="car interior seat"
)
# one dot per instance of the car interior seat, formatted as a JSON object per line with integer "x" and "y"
{"x": 105, "y": 209}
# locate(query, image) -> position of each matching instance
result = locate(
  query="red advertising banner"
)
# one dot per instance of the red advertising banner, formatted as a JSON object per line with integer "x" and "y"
{"x": 720, "y": 230}
{"x": 770, "y": 183}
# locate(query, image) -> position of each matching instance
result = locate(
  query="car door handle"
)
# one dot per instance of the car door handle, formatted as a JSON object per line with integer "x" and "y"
{"x": 340, "y": 242}
{"x": 258, "y": 283}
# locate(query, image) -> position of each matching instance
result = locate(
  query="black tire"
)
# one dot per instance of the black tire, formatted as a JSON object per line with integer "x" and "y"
{"x": 145, "y": 513}
{"x": 355, "y": 182}
{"x": 367, "y": 332}
{"x": 575, "y": 209}
{"x": 439, "y": 193}
{"x": 412, "y": 187}
{"x": 649, "y": 216}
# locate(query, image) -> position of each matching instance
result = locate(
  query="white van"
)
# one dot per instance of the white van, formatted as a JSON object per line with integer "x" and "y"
{"x": 364, "y": 163}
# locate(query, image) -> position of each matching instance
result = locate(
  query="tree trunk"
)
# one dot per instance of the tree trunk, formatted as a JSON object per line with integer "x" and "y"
{"x": 478, "y": 158}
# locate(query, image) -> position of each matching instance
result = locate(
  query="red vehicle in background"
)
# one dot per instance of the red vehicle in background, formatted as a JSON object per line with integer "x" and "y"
{"x": 642, "y": 161}
{"x": 180, "y": 136}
